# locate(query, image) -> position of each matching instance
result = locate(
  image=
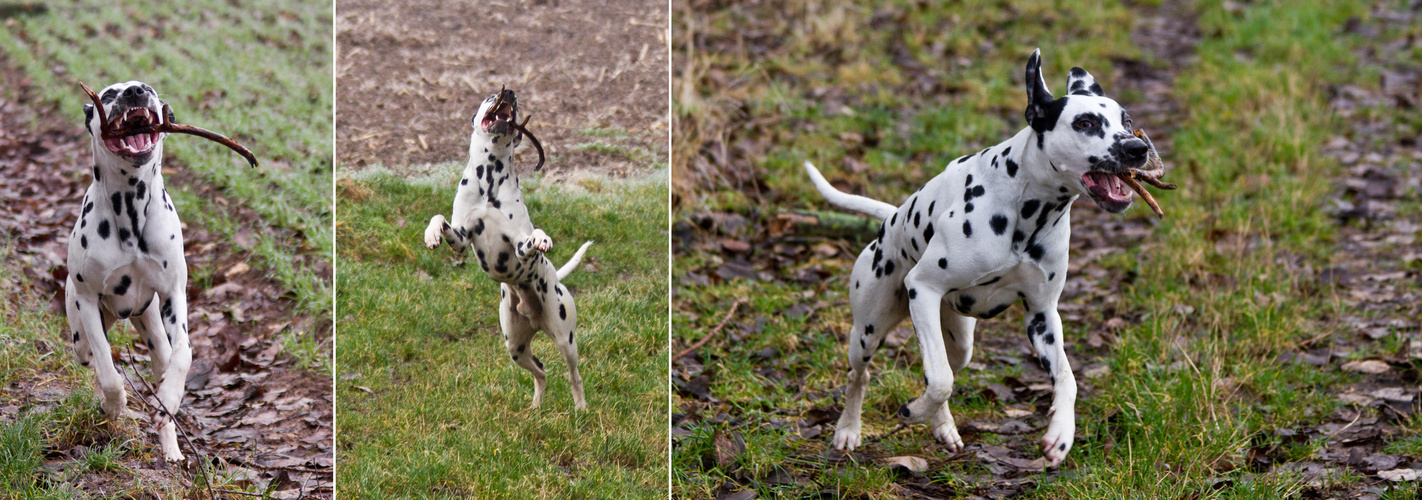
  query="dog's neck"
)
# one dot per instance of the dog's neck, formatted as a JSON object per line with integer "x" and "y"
{"x": 127, "y": 189}
{"x": 496, "y": 179}
{"x": 1043, "y": 178}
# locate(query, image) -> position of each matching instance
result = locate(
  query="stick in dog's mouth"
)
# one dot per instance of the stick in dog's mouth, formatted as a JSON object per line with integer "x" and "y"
{"x": 162, "y": 126}
{"x": 1155, "y": 168}
{"x": 536, "y": 145}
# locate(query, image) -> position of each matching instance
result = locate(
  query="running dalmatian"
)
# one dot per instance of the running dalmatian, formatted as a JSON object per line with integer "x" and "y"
{"x": 991, "y": 230}
{"x": 126, "y": 259}
{"x": 489, "y": 215}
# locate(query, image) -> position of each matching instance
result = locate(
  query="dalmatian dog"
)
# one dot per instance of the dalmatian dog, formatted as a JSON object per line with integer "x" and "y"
{"x": 490, "y": 216}
{"x": 126, "y": 259}
{"x": 989, "y": 231}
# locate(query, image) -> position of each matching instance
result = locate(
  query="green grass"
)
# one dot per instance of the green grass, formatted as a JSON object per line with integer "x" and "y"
{"x": 259, "y": 72}
{"x": 1191, "y": 391}
{"x": 430, "y": 404}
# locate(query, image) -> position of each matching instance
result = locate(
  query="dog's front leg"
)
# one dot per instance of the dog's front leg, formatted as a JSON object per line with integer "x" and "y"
{"x": 173, "y": 314}
{"x": 1044, "y": 328}
{"x": 533, "y": 244}
{"x": 926, "y": 288}
{"x": 87, "y": 321}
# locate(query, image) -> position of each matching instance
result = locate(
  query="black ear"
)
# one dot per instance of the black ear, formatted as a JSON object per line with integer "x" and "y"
{"x": 88, "y": 117}
{"x": 1082, "y": 83}
{"x": 170, "y": 118}
{"x": 1039, "y": 99}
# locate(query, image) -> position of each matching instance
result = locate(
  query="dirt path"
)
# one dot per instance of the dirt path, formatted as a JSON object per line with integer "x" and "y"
{"x": 411, "y": 76}
{"x": 248, "y": 405}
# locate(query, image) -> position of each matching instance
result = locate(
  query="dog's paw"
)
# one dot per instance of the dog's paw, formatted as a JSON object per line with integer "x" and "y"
{"x": 946, "y": 430}
{"x": 1057, "y": 442}
{"x": 540, "y": 241}
{"x": 434, "y": 232}
{"x": 846, "y": 439}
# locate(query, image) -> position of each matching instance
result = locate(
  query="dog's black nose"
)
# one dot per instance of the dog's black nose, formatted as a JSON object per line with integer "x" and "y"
{"x": 1136, "y": 149}
{"x": 133, "y": 91}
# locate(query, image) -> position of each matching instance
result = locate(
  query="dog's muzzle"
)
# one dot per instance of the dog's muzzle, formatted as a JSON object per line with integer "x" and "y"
{"x": 132, "y": 110}
{"x": 501, "y": 114}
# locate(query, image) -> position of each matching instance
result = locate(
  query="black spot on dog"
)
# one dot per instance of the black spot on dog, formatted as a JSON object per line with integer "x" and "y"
{"x": 122, "y": 287}
{"x": 1051, "y": 276}
{"x": 998, "y": 223}
{"x": 562, "y": 312}
{"x": 928, "y": 233}
{"x": 123, "y": 234}
{"x": 104, "y": 229}
{"x": 868, "y": 329}
{"x": 968, "y": 229}
{"x": 1011, "y": 168}
{"x": 96, "y": 173}
{"x": 79, "y": 277}
{"x": 943, "y": 263}
{"x": 904, "y": 410}
{"x": 965, "y": 303}
{"x": 83, "y": 242}
{"x": 996, "y": 311}
{"x": 1050, "y": 339}
{"x": 967, "y": 209}
{"x": 889, "y": 267}
{"x": 1035, "y": 251}
{"x": 913, "y": 293}
{"x": 1029, "y": 208}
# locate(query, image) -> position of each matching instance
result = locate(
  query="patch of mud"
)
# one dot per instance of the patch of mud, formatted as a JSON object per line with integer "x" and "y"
{"x": 411, "y": 75}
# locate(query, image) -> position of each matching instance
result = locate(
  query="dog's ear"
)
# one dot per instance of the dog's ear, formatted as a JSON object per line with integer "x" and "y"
{"x": 1081, "y": 83}
{"x": 88, "y": 117}
{"x": 1039, "y": 99}
{"x": 171, "y": 118}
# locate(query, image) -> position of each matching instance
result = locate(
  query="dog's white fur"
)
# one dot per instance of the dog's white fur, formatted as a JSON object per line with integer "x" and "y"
{"x": 489, "y": 214}
{"x": 991, "y": 230}
{"x": 126, "y": 262}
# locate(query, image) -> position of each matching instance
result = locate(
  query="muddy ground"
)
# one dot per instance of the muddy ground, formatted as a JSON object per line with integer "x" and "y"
{"x": 411, "y": 75}
{"x": 248, "y": 408}
{"x": 1366, "y": 271}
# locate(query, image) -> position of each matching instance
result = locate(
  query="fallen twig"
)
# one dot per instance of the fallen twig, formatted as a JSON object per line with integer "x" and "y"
{"x": 201, "y": 458}
{"x": 714, "y": 331}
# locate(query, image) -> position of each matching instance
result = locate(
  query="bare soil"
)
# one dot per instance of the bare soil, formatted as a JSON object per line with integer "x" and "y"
{"x": 248, "y": 408}
{"x": 410, "y": 76}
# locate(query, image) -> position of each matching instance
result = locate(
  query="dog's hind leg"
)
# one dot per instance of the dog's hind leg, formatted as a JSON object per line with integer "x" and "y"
{"x": 958, "y": 341}
{"x": 560, "y": 321}
{"x": 518, "y": 337}
{"x": 150, "y": 329}
{"x": 877, "y": 304}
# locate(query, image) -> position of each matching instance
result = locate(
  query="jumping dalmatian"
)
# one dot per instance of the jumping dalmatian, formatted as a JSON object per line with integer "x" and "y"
{"x": 991, "y": 230}
{"x": 489, "y": 215}
{"x": 126, "y": 259}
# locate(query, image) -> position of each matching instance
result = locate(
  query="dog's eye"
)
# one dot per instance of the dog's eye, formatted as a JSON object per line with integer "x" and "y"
{"x": 1084, "y": 124}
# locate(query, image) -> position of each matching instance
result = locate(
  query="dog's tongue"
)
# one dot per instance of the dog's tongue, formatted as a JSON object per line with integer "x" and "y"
{"x": 1107, "y": 186}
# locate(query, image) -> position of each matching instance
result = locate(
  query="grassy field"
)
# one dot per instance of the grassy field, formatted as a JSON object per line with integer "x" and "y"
{"x": 1193, "y": 389}
{"x": 274, "y": 96}
{"x": 431, "y": 406}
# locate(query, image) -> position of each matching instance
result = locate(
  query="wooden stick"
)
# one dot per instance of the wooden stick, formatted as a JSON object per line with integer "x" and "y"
{"x": 714, "y": 331}
{"x": 537, "y": 145}
{"x": 167, "y": 127}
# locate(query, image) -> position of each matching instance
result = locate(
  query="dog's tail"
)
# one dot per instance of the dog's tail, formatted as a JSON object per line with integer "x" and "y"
{"x": 572, "y": 263}
{"x": 854, "y": 202}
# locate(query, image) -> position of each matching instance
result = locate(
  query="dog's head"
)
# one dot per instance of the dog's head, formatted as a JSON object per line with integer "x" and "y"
{"x": 1086, "y": 134}
{"x": 127, "y": 105}
{"x": 496, "y": 117}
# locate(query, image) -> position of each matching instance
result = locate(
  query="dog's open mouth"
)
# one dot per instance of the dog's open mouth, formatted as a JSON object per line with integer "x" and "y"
{"x": 133, "y": 144}
{"x": 500, "y": 115}
{"x": 1108, "y": 190}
